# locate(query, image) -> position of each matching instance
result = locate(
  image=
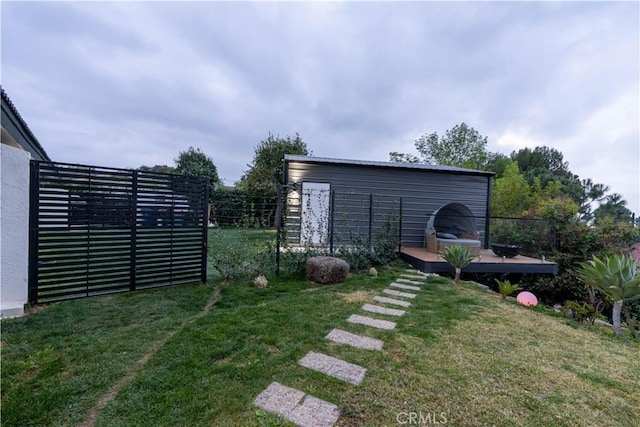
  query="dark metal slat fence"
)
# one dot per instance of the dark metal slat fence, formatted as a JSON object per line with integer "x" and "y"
{"x": 96, "y": 230}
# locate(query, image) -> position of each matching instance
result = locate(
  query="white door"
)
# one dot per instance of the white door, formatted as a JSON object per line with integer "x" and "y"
{"x": 314, "y": 228}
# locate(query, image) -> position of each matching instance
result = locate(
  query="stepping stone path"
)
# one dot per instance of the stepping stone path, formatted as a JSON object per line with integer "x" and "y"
{"x": 307, "y": 411}
{"x": 382, "y": 310}
{"x": 370, "y": 321}
{"x": 295, "y": 406}
{"x": 414, "y": 276}
{"x": 402, "y": 286}
{"x": 398, "y": 293}
{"x": 392, "y": 301}
{"x": 411, "y": 282}
{"x": 358, "y": 341}
{"x": 419, "y": 274}
{"x": 333, "y": 367}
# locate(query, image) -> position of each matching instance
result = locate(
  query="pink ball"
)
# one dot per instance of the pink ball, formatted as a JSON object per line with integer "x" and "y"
{"x": 527, "y": 298}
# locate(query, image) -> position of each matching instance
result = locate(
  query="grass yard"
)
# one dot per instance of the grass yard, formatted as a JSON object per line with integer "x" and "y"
{"x": 458, "y": 353}
{"x": 252, "y": 236}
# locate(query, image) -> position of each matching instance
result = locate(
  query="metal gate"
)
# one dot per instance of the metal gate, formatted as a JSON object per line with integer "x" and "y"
{"x": 96, "y": 230}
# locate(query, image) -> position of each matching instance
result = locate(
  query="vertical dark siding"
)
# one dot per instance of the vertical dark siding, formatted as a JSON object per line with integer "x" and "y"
{"x": 423, "y": 191}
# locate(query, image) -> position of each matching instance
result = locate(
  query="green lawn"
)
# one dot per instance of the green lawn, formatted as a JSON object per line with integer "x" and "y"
{"x": 460, "y": 352}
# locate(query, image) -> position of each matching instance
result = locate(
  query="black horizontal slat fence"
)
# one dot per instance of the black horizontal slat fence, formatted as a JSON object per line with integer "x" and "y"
{"x": 96, "y": 230}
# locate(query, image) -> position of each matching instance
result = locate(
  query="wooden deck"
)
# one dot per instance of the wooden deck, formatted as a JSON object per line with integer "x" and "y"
{"x": 487, "y": 262}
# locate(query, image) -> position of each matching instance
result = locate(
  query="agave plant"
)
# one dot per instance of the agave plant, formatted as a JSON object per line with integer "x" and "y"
{"x": 459, "y": 257}
{"x": 617, "y": 276}
{"x": 506, "y": 288}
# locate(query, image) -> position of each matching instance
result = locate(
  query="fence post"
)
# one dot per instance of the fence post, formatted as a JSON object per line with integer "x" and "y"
{"x": 400, "y": 229}
{"x": 134, "y": 235}
{"x": 278, "y": 229}
{"x": 205, "y": 231}
{"x": 34, "y": 210}
{"x": 331, "y": 220}
{"x": 370, "y": 218}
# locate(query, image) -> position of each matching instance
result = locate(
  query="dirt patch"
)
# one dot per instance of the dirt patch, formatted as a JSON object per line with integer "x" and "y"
{"x": 36, "y": 308}
{"x": 359, "y": 296}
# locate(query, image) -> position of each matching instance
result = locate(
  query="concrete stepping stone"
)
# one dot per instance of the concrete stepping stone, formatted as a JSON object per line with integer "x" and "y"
{"x": 398, "y": 293}
{"x": 419, "y": 274}
{"x": 382, "y": 310}
{"x": 295, "y": 406}
{"x": 314, "y": 412}
{"x": 392, "y": 301}
{"x": 333, "y": 367}
{"x": 411, "y": 282}
{"x": 358, "y": 341}
{"x": 403, "y": 286}
{"x": 413, "y": 276}
{"x": 370, "y": 321}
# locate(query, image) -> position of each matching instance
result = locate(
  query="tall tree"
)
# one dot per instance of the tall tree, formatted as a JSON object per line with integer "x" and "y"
{"x": 511, "y": 194}
{"x": 460, "y": 146}
{"x": 497, "y": 163}
{"x": 195, "y": 162}
{"x": 541, "y": 158}
{"x": 591, "y": 193}
{"x": 157, "y": 168}
{"x": 614, "y": 207}
{"x": 548, "y": 164}
{"x": 266, "y": 170}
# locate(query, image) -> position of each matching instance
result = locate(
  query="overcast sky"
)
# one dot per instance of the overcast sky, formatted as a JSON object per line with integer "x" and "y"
{"x": 125, "y": 84}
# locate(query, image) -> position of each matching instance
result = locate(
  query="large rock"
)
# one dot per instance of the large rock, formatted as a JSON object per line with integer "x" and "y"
{"x": 327, "y": 270}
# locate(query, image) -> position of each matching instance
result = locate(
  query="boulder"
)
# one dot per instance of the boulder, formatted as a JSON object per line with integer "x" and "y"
{"x": 327, "y": 270}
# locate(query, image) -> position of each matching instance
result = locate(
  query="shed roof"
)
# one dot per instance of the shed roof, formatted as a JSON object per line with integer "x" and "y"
{"x": 28, "y": 138}
{"x": 393, "y": 165}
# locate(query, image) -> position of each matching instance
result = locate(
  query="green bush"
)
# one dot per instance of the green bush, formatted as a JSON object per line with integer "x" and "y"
{"x": 506, "y": 288}
{"x": 459, "y": 257}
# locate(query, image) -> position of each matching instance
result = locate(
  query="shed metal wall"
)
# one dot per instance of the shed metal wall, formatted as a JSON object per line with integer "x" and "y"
{"x": 422, "y": 190}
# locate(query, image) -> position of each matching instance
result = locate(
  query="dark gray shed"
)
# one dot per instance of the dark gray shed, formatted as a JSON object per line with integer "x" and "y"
{"x": 423, "y": 188}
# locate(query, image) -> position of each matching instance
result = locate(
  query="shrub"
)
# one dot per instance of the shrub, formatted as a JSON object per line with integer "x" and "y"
{"x": 506, "y": 288}
{"x": 459, "y": 257}
{"x": 618, "y": 277}
{"x": 582, "y": 312}
{"x": 236, "y": 257}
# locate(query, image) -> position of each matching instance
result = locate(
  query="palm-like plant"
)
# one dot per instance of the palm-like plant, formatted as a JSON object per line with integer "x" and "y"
{"x": 459, "y": 257}
{"x": 617, "y": 276}
{"x": 506, "y": 288}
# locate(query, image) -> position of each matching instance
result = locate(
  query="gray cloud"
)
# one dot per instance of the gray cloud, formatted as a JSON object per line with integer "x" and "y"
{"x": 124, "y": 84}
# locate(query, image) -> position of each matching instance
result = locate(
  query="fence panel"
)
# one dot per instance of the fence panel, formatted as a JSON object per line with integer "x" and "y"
{"x": 96, "y": 230}
{"x": 352, "y": 219}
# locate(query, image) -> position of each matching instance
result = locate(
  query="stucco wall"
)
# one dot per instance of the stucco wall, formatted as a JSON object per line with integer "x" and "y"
{"x": 14, "y": 224}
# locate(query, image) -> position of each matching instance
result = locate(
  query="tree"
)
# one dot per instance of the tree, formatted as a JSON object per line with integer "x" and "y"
{"x": 591, "y": 193}
{"x": 461, "y": 146}
{"x": 542, "y": 159}
{"x": 548, "y": 164}
{"x": 266, "y": 170}
{"x": 617, "y": 277}
{"x": 614, "y": 207}
{"x": 195, "y": 162}
{"x": 511, "y": 194}
{"x": 157, "y": 168}
{"x": 497, "y": 163}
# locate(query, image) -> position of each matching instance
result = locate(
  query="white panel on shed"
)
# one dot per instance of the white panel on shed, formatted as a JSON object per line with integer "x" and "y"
{"x": 314, "y": 227}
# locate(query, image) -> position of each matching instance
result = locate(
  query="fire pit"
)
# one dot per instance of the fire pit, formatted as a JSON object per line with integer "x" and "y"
{"x": 505, "y": 249}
